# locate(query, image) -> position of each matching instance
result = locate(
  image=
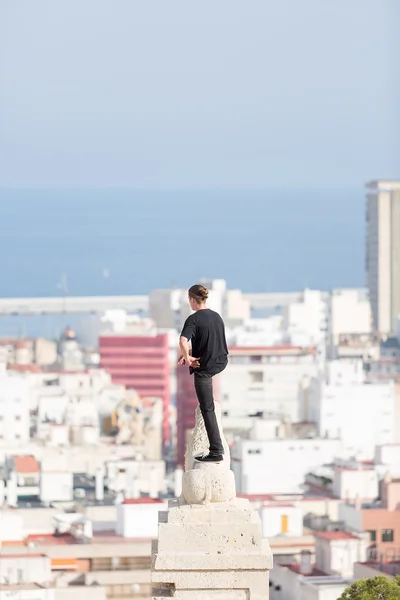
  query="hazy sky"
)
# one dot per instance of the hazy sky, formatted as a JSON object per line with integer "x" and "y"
{"x": 217, "y": 93}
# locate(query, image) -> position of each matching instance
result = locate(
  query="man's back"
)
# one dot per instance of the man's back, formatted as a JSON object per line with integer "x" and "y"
{"x": 206, "y": 330}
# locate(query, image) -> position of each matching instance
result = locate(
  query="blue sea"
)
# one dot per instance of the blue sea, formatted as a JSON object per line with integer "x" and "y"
{"x": 129, "y": 242}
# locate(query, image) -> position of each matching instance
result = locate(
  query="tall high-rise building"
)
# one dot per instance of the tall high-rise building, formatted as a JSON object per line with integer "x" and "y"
{"x": 383, "y": 253}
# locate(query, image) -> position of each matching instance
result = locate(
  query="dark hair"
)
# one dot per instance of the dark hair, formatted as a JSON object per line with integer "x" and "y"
{"x": 199, "y": 293}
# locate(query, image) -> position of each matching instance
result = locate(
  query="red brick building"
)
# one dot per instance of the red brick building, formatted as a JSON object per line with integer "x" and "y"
{"x": 140, "y": 363}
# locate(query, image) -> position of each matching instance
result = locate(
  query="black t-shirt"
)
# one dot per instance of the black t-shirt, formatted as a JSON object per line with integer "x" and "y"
{"x": 206, "y": 330}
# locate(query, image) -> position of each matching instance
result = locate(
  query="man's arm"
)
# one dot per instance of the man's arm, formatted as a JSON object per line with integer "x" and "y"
{"x": 184, "y": 348}
{"x": 186, "y": 357}
{"x": 188, "y": 332}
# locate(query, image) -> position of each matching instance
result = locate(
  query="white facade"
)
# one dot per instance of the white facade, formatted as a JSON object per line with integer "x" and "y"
{"x": 265, "y": 380}
{"x": 383, "y": 253}
{"x": 138, "y": 519}
{"x": 336, "y": 552}
{"x": 11, "y": 526}
{"x": 85, "y": 435}
{"x": 322, "y": 588}
{"x": 281, "y": 519}
{"x": 352, "y": 516}
{"x": 267, "y": 429}
{"x": 27, "y": 593}
{"x": 257, "y": 332}
{"x": 338, "y": 408}
{"x": 14, "y": 410}
{"x": 305, "y": 321}
{"x": 284, "y": 584}
{"x": 350, "y": 484}
{"x": 56, "y": 486}
{"x": 135, "y": 476}
{"x": 349, "y": 313}
{"x": 279, "y": 466}
{"x": 25, "y": 568}
{"x": 388, "y": 458}
{"x": 345, "y": 371}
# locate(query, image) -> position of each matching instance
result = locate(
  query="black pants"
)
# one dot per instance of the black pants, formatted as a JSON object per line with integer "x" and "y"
{"x": 204, "y": 392}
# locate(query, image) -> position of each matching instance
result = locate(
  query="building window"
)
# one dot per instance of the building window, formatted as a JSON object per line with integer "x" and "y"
{"x": 254, "y": 451}
{"x": 372, "y": 535}
{"x": 387, "y": 535}
{"x": 256, "y": 376}
{"x": 255, "y": 358}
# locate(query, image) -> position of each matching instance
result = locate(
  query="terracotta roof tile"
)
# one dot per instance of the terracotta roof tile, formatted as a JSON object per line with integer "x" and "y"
{"x": 24, "y": 368}
{"x": 335, "y": 535}
{"x": 26, "y": 464}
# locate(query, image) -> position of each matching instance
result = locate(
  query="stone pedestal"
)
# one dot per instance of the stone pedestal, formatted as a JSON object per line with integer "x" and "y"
{"x": 210, "y": 552}
{"x": 209, "y": 543}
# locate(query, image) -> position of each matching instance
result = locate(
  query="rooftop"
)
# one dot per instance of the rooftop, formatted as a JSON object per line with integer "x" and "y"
{"x": 335, "y": 535}
{"x": 271, "y": 350}
{"x": 26, "y": 464}
{"x": 66, "y": 539}
{"x": 389, "y": 568}
{"x": 24, "y": 368}
{"x": 143, "y": 501}
{"x": 296, "y": 568}
{"x": 330, "y": 580}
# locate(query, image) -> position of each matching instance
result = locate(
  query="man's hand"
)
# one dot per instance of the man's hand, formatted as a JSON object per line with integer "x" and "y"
{"x": 191, "y": 361}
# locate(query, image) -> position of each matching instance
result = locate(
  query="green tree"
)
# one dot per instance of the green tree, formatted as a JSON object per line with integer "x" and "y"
{"x": 378, "y": 588}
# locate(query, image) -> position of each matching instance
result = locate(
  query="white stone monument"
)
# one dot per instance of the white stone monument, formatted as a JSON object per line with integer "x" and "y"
{"x": 209, "y": 544}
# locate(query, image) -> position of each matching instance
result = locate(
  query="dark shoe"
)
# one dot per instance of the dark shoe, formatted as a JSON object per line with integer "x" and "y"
{"x": 210, "y": 458}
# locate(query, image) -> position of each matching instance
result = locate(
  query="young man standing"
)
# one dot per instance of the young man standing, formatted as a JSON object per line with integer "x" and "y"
{"x": 205, "y": 329}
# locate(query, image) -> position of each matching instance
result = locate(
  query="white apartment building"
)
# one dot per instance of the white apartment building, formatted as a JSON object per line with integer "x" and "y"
{"x": 257, "y": 332}
{"x": 14, "y": 410}
{"x": 80, "y": 398}
{"x": 349, "y": 313}
{"x": 265, "y": 380}
{"x": 387, "y": 459}
{"x": 352, "y": 483}
{"x": 327, "y": 578}
{"x": 304, "y": 322}
{"x": 279, "y": 466}
{"x": 343, "y": 406}
{"x": 383, "y": 253}
{"x": 281, "y": 519}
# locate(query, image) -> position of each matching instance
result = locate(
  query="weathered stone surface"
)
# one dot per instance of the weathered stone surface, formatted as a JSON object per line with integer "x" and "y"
{"x": 214, "y": 548}
{"x": 206, "y": 580}
{"x": 223, "y": 512}
{"x": 249, "y": 561}
{"x": 209, "y": 537}
{"x": 208, "y": 483}
{"x": 203, "y": 483}
{"x": 210, "y": 544}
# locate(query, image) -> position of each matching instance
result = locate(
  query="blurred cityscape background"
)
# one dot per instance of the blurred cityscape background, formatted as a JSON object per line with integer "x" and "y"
{"x": 253, "y": 147}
